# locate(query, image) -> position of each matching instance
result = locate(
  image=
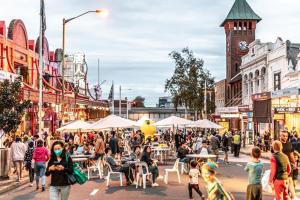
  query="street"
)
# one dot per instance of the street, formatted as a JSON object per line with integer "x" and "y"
{"x": 233, "y": 178}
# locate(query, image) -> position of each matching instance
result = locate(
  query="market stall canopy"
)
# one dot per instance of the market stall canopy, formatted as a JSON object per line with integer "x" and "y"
{"x": 206, "y": 124}
{"x": 73, "y": 126}
{"x": 173, "y": 121}
{"x": 111, "y": 121}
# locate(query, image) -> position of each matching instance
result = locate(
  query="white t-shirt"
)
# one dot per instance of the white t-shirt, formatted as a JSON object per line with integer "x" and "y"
{"x": 194, "y": 176}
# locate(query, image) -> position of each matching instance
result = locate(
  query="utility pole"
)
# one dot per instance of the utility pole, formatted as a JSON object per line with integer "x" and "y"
{"x": 63, "y": 72}
{"x": 41, "y": 64}
{"x": 120, "y": 103}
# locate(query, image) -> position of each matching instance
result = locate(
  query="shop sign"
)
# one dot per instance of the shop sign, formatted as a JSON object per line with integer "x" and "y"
{"x": 281, "y": 110}
{"x": 7, "y": 76}
{"x": 261, "y": 96}
{"x": 230, "y": 115}
{"x": 244, "y": 108}
{"x": 234, "y": 109}
{"x": 285, "y": 92}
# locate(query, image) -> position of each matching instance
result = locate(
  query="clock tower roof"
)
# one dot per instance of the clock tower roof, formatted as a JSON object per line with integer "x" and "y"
{"x": 241, "y": 10}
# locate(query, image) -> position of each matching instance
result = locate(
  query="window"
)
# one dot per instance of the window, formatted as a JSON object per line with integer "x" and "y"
{"x": 245, "y": 26}
{"x": 250, "y": 25}
{"x": 277, "y": 84}
{"x": 240, "y": 26}
{"x": 235, "y": 26}
{"x": 236, "y": 67}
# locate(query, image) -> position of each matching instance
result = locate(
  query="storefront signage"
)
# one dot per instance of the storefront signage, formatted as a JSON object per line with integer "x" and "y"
{"x": 281, "y": 110}
{"x": 7, "y": 76}
{"x": 234, "y": 109}
{"x": 261, "y": 96}
{"x": 285, "y": 92}
{"x": 244, "y": 108}
{"x": 228, "y": 115}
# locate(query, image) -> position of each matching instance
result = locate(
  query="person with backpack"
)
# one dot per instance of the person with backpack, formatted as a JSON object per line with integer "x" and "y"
{"x": 28, "y": 162}
{"x": 60, "y": 167}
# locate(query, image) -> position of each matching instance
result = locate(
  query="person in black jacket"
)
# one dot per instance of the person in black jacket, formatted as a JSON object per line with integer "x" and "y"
{"x": 113, "y": 143}
{"x": 28, "y": 162}
{"x": 58, "y": 167}
{"x": 151, "y": 164}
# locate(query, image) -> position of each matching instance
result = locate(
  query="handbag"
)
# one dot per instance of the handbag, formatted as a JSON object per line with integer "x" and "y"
{"x": 80, "y": 176}
{"x": 71, "y": 178}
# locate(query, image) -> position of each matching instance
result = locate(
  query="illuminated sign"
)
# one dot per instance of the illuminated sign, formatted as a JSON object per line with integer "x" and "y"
{"x": 281, "y": 110}
{"x": 261, "y": 96}
{"x": 228, "y": 115}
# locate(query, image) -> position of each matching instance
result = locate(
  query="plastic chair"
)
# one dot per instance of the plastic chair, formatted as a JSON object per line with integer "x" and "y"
{"x": 182, "y": 170}
{"x": 111, "y": 172}
{"x": 143, "y": 172}
{"x": 174, "y": 169}
{"x": 98, "y": 167}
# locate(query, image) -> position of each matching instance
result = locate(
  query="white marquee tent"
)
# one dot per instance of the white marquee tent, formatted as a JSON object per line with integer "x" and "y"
{"x": 73, "y": 126}
{"x": 173, "y": 121}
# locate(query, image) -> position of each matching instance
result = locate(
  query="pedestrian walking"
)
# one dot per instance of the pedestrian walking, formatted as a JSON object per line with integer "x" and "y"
{"x": 255, "y": 171}
{"x": 194, "y": 180}
{"x": 59, "y": 167}
{"x": 280, "y": 170}
{"x": 40, "y": 157}
{"x": 214, "y": 143}
{"x": 18, "y": 150}
{"x": 236, "y": 144}
{"x": 28, "y": 162}
{"x": 287, "y": 149}
{"x": 225, "y": 147}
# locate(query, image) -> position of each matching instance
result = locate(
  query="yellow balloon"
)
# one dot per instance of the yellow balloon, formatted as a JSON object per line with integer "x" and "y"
{"x": 148, "y": 129}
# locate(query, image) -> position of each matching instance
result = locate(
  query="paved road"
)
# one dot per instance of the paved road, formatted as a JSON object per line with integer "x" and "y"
{"x": 233, "y": 178}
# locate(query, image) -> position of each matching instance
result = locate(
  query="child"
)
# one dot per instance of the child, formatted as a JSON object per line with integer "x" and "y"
{"x": 215, "y": 189}
{"x": 28, "y": 162}
{"x": 194, "y": 180}
{"x": 255, "y": 171}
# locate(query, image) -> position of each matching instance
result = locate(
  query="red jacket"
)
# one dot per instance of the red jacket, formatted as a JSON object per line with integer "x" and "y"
{"x": 41, "y": 154}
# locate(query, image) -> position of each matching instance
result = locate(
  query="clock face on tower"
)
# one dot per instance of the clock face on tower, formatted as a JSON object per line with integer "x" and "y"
{"x": 243, "y": 45}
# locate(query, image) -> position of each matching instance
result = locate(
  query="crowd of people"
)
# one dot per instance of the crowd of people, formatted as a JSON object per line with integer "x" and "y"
{"x": 41, "y": 159}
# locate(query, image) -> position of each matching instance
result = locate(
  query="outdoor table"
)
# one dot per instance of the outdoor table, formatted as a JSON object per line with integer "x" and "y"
{"x": 81, "y": 159}
{"x": 81, "y": 156}
{"x": 162, "y": 151}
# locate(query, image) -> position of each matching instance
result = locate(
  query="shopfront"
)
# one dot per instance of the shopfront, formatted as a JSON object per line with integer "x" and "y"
{"x": 286, "y": 107}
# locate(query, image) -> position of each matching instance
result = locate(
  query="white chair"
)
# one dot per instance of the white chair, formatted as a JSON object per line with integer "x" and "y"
{"x": 111, "y": 172}
{"x": 182, "y": 170}
{"x": 174, "y": 169}
{"x": 142, "y": 174}
{"x": 98, "y": 167}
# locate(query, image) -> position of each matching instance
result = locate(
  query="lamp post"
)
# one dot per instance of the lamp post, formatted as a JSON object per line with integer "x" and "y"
{"x": 65, "y": 21}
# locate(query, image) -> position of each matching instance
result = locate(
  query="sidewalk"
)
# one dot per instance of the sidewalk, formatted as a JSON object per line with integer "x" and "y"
{"x": 10, "y": 184}
{"x": 247, "y": 150}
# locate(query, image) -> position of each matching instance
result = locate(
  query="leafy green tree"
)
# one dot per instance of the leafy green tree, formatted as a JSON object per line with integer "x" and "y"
{"x": 186, "y": 86}
{"x": 12, "y": 107}
{"x": 139, "y": 102}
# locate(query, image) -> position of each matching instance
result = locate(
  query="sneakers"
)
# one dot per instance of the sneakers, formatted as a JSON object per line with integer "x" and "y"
{"x": 43, "y": 188}
{"x": 155, "y": 185}
{"x": 37, "y": 188}
{"x": 31, "y": 185}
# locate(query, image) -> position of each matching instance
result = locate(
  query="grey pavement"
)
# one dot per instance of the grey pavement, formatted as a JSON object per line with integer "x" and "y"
{"x": 232, "y": 176}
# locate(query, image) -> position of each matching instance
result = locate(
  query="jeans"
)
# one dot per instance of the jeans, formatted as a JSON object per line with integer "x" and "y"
{"x": 40, "y": 168}
{"x": 196, "y": 188}
{"x": 63, "y": 190}
{"x": 155, "y": 173}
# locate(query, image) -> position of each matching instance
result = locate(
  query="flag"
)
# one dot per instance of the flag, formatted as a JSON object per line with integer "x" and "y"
{"x": 111, "y": 93}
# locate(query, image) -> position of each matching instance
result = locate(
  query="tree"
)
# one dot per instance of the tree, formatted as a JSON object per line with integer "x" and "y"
{"x": 186, "y": 86}
{"x": 139, "y": 102}
{"x": 12, "y": 107}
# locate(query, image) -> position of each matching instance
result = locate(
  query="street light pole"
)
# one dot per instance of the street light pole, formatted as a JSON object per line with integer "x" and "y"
{"x": 65, "y": 21}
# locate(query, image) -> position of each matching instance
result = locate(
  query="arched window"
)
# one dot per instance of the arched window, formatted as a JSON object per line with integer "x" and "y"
{"x": 240, "y": 26}
{"x": 235, "y": 26}
{"x": 245, "y": 26}
{"x": 250, "y": 25}
{"x": 236, "y": 67}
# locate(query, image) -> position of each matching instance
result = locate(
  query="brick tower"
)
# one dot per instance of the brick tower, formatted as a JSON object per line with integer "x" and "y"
{"x": 239, "y": 25}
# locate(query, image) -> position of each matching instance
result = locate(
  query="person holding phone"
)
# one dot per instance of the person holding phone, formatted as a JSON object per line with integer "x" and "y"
{"x": 59, "y": 166}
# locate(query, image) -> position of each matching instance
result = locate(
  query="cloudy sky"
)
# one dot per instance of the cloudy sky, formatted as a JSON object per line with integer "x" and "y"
{"x": 134, "y": 41}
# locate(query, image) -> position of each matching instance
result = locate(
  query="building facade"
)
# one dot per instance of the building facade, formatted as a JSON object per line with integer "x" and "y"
{"x": 220, "y": 94}
{"x": 19, "y": 56}
{"x": 271, "y": 70}
{"x": 240, "y": 28}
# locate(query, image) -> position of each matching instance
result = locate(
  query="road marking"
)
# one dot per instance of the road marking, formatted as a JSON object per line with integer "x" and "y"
{"x": 94, "y": 192}
{"x": 239, "y": 165}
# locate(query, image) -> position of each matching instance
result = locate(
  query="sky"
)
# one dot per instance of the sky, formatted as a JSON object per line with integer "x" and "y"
{"x": 134, "y": 41}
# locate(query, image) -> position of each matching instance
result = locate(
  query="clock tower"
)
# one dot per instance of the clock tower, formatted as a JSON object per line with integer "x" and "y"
{"x": 240, "y": 26}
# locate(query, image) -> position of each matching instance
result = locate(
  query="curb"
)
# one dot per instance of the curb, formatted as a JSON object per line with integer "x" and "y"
{"x": 13, "y": 185}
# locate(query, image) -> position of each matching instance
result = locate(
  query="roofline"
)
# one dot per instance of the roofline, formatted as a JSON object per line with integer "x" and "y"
{"x": 223, "y": 23}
